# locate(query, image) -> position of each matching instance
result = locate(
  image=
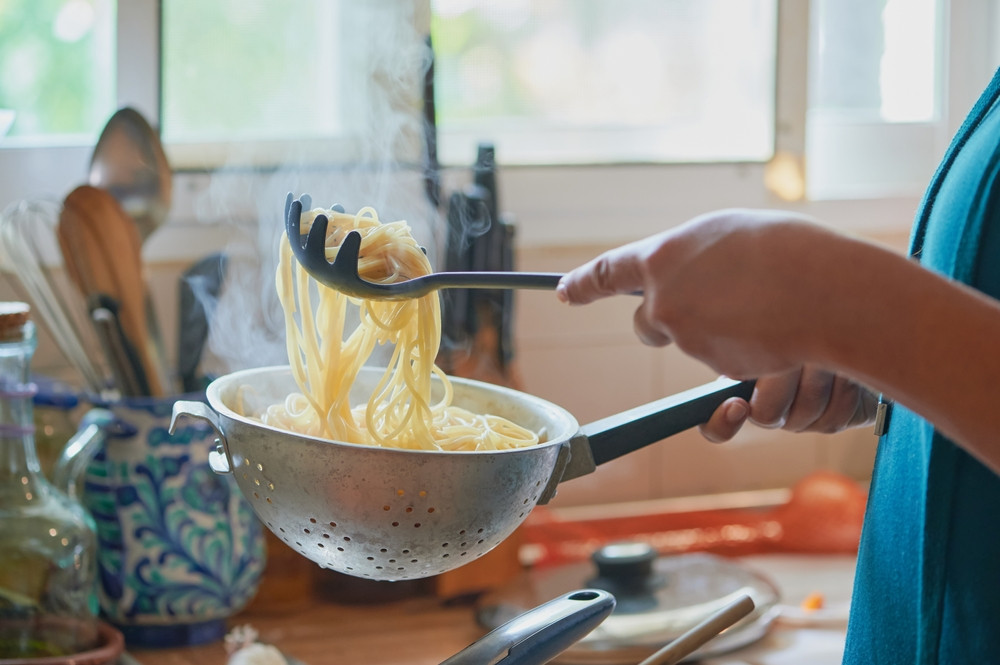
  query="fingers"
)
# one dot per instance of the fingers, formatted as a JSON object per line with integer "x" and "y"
{"x": 772, "y": 399}
{"x": 726, "y": 421}
{"x": 812, "y": 400}
{"x": 611, "y": 273}
{"x": 847, "y": 407}
{"x": 807, "y": 399}
{"x": 647, "y": 331}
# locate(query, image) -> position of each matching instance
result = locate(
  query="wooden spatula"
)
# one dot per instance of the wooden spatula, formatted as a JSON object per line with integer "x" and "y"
{"x": 103, "y": 254}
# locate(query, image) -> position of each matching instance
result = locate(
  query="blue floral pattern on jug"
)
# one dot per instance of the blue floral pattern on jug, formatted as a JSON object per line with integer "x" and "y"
{"x": 180, "y": 549}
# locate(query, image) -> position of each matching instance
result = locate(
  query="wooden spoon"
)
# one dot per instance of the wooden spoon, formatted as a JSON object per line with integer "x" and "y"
{"x": 103, "y": 254}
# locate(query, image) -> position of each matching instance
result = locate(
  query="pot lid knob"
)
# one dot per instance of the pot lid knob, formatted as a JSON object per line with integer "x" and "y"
{"x": 626, "y": 569}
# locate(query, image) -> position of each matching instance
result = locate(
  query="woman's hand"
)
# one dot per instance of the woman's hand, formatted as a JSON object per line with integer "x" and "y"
{"x": 746, "y": 293}
{"x": 805, "y": 400}
{"x": 742, "y": 291}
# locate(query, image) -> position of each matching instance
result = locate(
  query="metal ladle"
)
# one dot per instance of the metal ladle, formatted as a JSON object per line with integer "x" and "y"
{"x": 129, "y": 162}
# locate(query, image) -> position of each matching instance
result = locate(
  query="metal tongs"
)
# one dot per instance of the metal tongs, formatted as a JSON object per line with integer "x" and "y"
{"x": 342, "y": 275}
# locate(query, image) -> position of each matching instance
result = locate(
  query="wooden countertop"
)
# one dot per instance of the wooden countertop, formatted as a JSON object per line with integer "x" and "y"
{"x": 417, "y": 631}
{"x": 422, "y": 629}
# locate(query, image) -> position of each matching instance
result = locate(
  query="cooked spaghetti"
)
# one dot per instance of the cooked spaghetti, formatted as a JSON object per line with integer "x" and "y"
{"x": 325, "y": 357}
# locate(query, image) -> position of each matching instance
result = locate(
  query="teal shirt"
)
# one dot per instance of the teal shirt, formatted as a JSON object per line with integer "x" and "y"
{"x": 927, "y": 588}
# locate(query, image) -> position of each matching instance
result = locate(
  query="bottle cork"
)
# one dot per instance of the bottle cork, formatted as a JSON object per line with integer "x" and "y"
{"x": 13, "y": 316}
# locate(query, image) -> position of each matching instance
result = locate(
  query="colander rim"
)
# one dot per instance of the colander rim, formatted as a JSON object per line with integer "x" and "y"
{"x": 218, "y": 404}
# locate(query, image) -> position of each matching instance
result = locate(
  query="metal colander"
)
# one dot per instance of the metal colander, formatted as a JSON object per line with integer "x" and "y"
{"x": 390, "y": 514}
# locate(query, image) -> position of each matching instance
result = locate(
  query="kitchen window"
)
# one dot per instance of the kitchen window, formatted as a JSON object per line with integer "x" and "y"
{"x": 786, "y": 144}
{"x": 57, "y": 62}
{"x": 595, "y": 82}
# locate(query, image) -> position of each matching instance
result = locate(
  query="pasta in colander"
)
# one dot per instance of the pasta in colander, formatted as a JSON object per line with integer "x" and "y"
{"x": 325, "y": 357}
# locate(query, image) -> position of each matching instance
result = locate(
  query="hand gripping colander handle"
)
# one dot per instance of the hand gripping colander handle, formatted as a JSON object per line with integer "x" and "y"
{"x": 540, "y": 634}
{"x": 610, "y": 438}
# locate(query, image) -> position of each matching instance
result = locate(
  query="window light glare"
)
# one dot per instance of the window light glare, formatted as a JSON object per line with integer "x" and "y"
{"x": 906, "y": 87}
{"x": 784, "y": 176}
{"x": 74, "y": 20}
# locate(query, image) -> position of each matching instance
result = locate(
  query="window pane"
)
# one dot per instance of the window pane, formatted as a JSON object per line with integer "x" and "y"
{"x": 56, "y": 69}
{"x": 262, "y": 72}
{"x": 873, "y": 126}
{"x": 875, "y": 59}
{"x": 597, "y": 81}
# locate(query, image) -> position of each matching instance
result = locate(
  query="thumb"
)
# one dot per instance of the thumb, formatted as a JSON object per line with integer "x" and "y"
{"x": 612, "y": 273}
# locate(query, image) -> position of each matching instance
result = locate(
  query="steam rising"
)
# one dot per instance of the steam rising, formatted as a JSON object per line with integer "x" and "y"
{"x": 377, "y": 163}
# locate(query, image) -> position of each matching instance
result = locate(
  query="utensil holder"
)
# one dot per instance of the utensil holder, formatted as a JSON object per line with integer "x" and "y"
{"x": 180, "y": 550}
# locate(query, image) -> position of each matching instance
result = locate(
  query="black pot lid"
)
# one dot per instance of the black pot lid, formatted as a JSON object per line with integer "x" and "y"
{"x": 659, "y": 599}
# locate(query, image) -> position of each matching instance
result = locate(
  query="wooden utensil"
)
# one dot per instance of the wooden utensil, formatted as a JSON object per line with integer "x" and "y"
{"x": 689, "y": 642}
{"x": 103, "y": 254}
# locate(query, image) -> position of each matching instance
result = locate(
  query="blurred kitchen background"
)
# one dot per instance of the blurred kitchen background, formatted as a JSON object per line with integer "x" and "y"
{"x": 594, "y": 123}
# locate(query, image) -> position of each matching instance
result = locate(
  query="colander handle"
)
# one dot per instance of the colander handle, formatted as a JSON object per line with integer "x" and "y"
{"x": 628, "y": 431}
{"x": 542, "y": 633}
{"x": 218, "y": 459}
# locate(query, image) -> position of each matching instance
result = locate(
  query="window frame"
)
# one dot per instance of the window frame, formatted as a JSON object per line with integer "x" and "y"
{"x": 561, "y": 205}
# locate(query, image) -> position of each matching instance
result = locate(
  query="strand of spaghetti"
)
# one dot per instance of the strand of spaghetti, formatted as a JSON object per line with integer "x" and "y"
{"x": 399, "y": 411}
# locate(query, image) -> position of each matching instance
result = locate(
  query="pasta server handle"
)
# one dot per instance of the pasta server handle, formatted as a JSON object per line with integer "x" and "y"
{"x": 540, "y": 634}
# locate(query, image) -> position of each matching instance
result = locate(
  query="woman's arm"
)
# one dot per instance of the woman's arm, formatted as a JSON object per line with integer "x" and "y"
{"x": 773, "y": 295}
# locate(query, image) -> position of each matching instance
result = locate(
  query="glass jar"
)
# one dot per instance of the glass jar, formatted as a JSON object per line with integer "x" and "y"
{"x": 55, "y": 422}
{"x": 48, "y": 545}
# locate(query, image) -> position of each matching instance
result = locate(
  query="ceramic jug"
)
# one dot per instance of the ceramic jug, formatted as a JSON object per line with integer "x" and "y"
{"x": 179, "y": 549}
